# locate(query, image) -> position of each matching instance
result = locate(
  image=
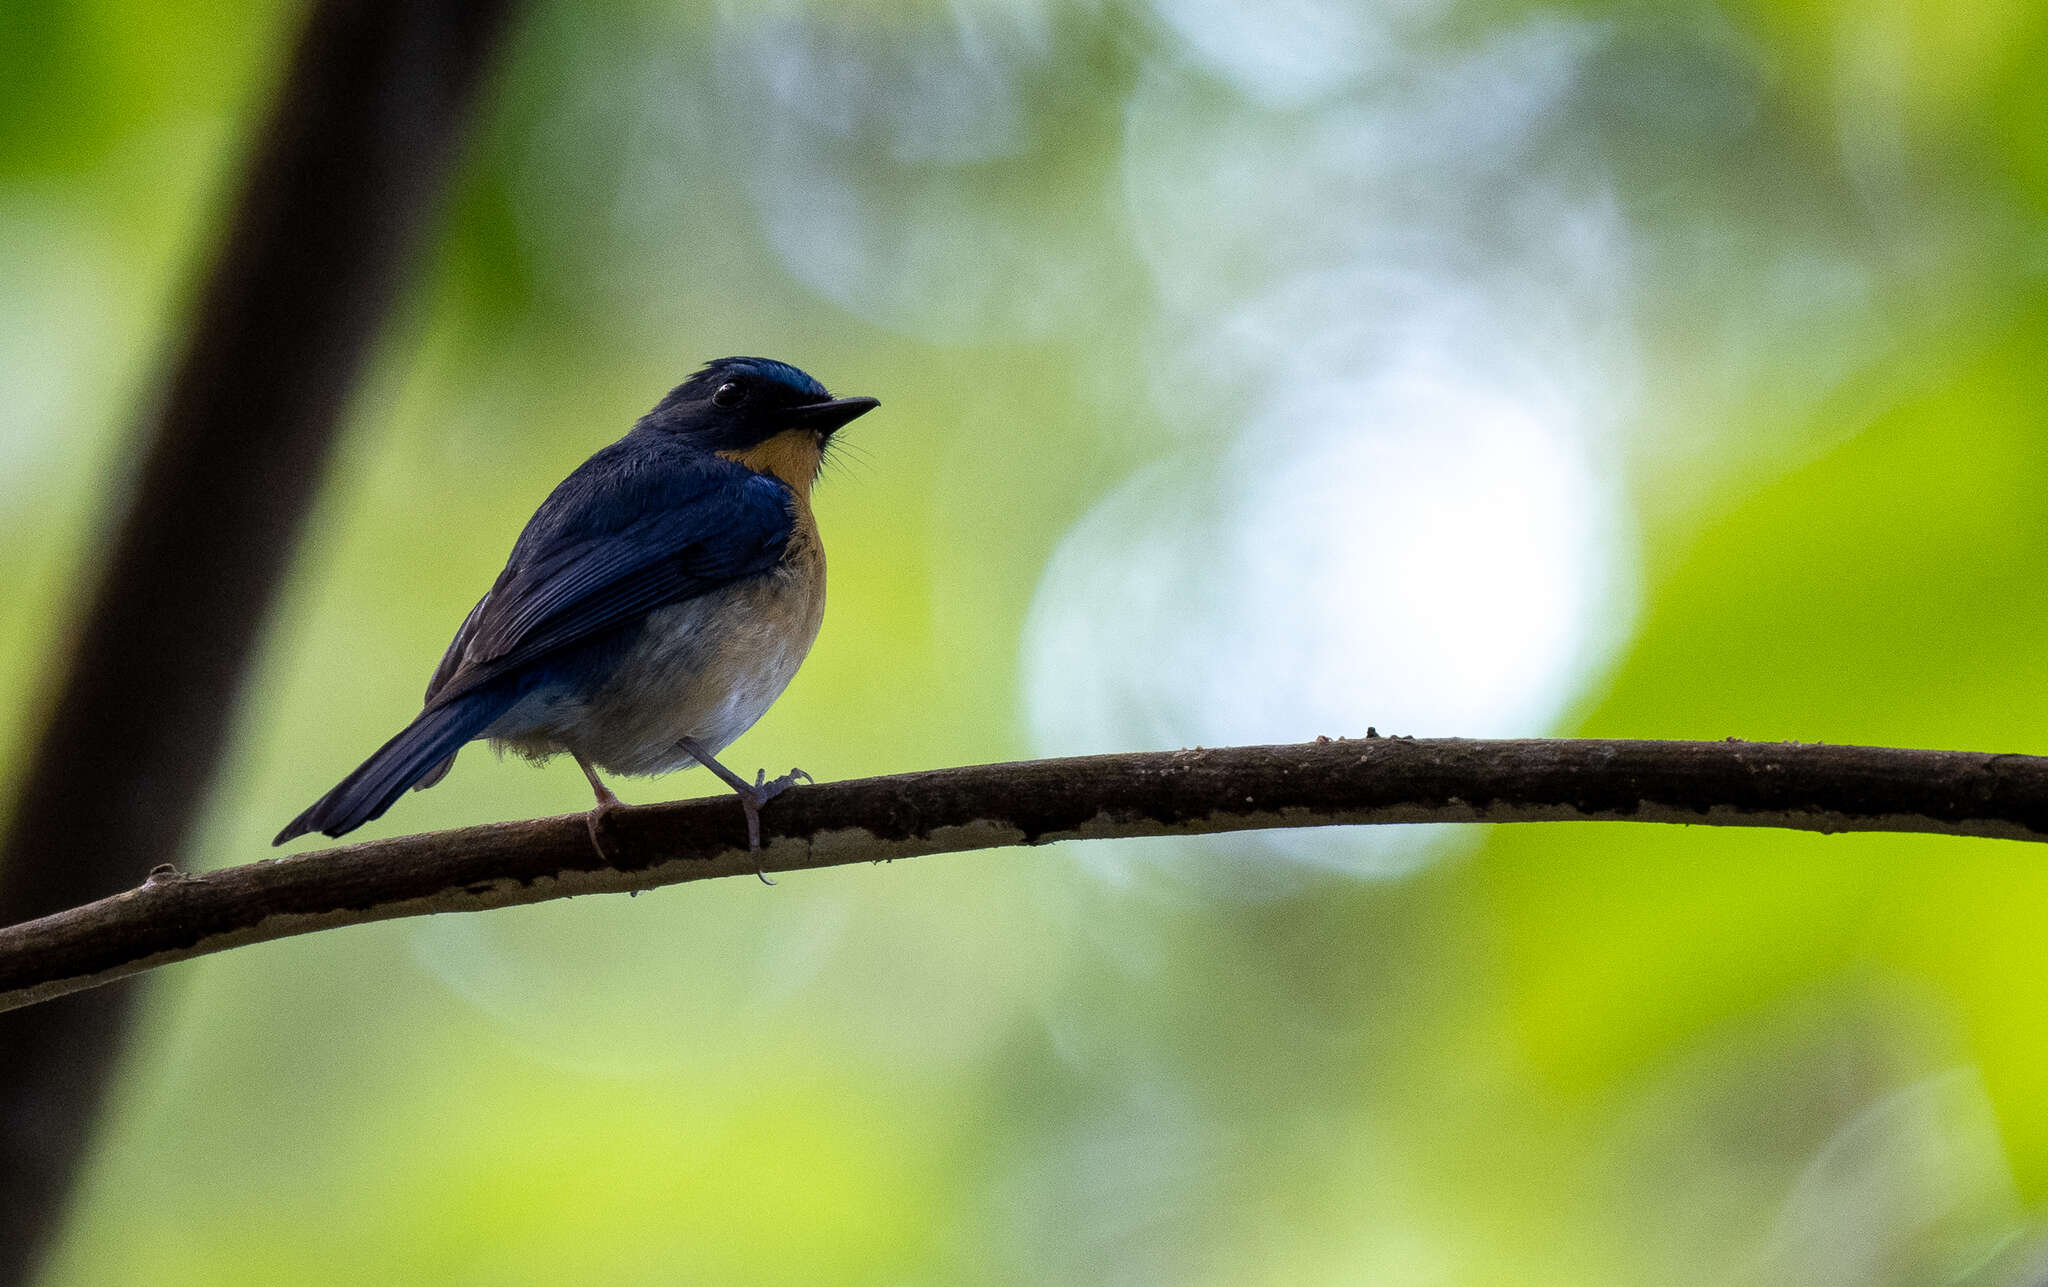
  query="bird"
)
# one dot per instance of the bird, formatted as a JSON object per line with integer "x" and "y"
{"x": 656, "y": 604}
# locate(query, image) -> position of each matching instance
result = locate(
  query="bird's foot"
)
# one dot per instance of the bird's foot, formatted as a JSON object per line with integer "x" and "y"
{"x": 765, "y": 791}
{"x": 761, "y": 791}
{"x": 606, "y": 802}
{"x": 607, "y": 852}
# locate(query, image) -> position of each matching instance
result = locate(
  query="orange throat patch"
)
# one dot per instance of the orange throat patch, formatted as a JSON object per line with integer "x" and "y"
{"x": 792, "y": 455}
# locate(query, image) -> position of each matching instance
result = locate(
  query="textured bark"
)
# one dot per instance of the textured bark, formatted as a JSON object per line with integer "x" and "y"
{"x": 353, "y": 155}
{"x": 174, "y": 917}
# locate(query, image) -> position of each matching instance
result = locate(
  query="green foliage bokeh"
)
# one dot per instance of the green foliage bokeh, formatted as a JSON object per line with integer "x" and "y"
{"x": 1576, "y": 1055}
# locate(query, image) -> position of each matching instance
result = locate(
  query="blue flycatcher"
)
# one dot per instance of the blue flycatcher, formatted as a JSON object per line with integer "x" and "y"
{"x": 655, "y": 606}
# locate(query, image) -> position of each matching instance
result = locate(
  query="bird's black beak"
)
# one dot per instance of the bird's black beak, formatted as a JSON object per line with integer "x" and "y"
{"x": 823, "y": 418}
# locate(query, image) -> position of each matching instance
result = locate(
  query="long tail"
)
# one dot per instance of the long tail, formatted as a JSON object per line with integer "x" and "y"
{"x": 421, "y": 747}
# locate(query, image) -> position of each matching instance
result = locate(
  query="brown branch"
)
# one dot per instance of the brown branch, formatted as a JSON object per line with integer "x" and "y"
{"x": 341, "y": 186}
{"x": 174, "y": 917}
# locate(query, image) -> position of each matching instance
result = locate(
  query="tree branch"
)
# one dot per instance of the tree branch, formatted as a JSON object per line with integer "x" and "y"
{"x": 175, "y": 917}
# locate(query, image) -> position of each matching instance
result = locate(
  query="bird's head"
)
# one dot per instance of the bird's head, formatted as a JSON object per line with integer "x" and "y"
{"x": 767, "y": 415}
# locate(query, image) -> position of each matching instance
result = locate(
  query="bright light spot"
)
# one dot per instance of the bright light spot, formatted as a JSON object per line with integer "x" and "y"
{"x": 898, "y": 165}
{"x": 1438, "y": 166}
{"x": 1410, "y": 552}
{"x": 1290, "y": 52}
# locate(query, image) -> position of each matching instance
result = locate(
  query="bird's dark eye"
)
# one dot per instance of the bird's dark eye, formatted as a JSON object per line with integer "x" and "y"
{"x": 729, "y": 394}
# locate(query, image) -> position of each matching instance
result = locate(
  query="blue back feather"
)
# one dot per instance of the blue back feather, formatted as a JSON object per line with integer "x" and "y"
{"x": 646, "y": 522}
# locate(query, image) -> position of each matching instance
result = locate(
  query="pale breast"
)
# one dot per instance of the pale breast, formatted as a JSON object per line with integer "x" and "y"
{"x": 708, "y": 669}
{"x": 705, "y": 669}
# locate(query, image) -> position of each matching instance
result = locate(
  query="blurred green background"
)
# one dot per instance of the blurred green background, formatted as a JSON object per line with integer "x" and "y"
{"x": 1250, "y": 371}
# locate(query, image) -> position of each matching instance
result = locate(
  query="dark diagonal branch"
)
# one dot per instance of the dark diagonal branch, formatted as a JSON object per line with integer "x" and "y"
{"x": 1370, "y": 781}
{"x": 344, "y": 179}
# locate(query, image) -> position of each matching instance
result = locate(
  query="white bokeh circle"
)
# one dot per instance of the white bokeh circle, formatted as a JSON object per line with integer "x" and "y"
{"x": 1405, "y": 552}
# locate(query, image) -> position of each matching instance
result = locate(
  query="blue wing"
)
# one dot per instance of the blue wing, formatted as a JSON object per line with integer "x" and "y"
{"x": 639, "y": 526}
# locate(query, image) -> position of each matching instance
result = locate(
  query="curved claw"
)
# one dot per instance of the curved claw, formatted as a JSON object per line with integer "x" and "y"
{"x": 595, "y": 821}
{"x": 764, "y": 790}
{"x": 761, "y": 792}
{"x": 606, "y": 802}
{"x": 752, "y": 794}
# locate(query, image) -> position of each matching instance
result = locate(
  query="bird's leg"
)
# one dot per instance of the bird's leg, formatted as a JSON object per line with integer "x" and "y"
{"x": 752, "y": 794}
{"x": 606, "y": 802}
